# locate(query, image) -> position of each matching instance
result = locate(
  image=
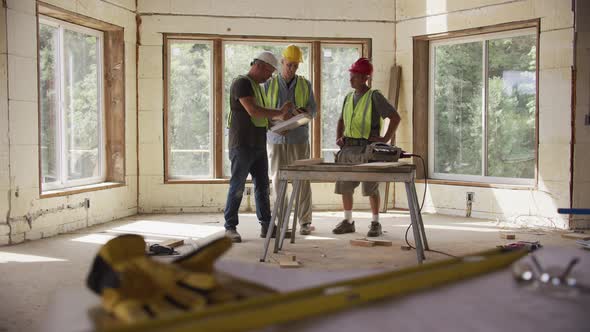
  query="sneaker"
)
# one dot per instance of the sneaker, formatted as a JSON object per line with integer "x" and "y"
{"x": 264, "y": 230}
{"x": 374, "y": 229}
{"x": 305, "y": 229}
{"x": 233, "y": 235}
{"x": 344, "y": 227}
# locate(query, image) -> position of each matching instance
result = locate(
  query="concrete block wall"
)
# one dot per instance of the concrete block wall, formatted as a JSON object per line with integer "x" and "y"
{"x": 529, "y": 206}
{"x": 581, "y": 177}
{"x": 332, "y": 18}
{"x": 4, "y": 146}
{"x": 24, "y": 215}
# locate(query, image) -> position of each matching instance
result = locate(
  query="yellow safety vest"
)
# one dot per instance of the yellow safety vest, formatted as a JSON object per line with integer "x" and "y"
{"x": 260, "y": 101}
{"x": 357, "y": 119}
{"x": 301, "y": 92}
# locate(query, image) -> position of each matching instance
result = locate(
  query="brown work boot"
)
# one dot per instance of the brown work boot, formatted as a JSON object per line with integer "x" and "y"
{"x": 344, "y": 227}
{"x": 374, "y": 229}
{"x": 233, "y": 235}
{"x": 305, "y": 229}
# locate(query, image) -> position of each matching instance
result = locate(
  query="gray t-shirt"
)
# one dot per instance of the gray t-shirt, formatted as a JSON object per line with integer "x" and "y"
{"x": 242, "y": 132}
{"x": 381, "y": 108}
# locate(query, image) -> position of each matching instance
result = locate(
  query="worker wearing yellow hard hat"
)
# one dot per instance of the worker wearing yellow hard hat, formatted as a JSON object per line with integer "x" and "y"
{"x": 293, "y": 53}
{"x": 285, "y": 148}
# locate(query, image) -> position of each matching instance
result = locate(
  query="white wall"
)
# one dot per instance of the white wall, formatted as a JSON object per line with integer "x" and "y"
{"x": 525, "y": 207}
{"x": 23, "y": 215}
{"x": 4, "y": 148}
{"x": 333, "y": 18}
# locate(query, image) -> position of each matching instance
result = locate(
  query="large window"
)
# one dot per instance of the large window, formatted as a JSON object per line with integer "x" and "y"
{"x": 199, "y": 73}
{"x": 71, "y": 105}
{"x": 190, "y": 102}
{"x": 482, "y": 114}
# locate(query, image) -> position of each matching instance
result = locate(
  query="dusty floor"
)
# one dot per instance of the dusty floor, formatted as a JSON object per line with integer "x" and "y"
{"x": 31, "y": 272}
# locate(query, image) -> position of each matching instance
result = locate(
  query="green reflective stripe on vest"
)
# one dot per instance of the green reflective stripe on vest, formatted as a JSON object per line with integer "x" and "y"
{"x": 301, "y": 92}
{"x": 357, "y": 119}
{"x": 260, "y": 101}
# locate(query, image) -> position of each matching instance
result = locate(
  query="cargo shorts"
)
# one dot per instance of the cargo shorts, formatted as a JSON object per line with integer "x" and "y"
{"x": 354, "y": 155}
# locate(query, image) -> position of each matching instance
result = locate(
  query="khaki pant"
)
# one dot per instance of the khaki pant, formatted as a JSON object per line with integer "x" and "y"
{"x": 283, "y": 155}
{"x": 354, "y": 155}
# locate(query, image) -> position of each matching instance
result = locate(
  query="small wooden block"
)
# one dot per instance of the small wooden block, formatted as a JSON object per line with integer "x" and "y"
{"x": 172, "y": 243}
{"x": 577, "y": 236}
{"x": 508, "y": 236}
{"x": 312, "y": 161}
{"x": 289, "y": 263}
{"x": 383, "y": 243}
{"x": 362, "y": 243}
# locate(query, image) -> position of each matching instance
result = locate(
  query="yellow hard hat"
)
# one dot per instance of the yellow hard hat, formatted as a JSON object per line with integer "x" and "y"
{"x": 293, "y": 53}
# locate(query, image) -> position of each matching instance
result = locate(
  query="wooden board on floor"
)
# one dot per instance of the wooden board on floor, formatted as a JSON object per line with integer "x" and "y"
{"x": 362, "y": 243}
{"x": 289, "y": 262}
{"x": 382, "y": 243}
{"x": 507, "y": 236}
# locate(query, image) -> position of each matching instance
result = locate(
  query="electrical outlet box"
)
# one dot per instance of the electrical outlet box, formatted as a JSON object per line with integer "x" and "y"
{"x": 248, "y": 191}
{"x": 470, "y": 196}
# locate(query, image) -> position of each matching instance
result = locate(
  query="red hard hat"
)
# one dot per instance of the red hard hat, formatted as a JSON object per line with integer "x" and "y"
{"x": 362, "y": 66}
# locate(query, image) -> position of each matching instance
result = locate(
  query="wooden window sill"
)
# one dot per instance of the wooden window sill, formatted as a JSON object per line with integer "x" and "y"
{"x": 80, "y": 189}
{"x": 480, "y": 184}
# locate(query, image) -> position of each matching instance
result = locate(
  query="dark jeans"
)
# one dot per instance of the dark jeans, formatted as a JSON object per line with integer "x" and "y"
{"x": 246, "y": 160}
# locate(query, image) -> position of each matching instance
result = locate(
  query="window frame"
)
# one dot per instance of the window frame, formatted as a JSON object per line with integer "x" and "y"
{"x": 218, "y": 86}
{"x": 63, "y": 183}
{"x": 483, "y": 39}
{"x": 318, "y": 140}
{"x": 211, "y": 126}
{"x": 420, "y": 99}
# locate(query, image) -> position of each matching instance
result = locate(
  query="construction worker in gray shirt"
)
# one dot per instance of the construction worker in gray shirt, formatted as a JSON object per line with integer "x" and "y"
{"x": 285, "y": 148}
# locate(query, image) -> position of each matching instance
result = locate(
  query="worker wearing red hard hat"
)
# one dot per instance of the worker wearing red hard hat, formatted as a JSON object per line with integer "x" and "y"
{"x": 360, "y": 124}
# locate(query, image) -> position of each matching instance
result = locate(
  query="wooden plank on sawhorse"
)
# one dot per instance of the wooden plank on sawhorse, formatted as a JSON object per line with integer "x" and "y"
{"x": 394, "y": 84}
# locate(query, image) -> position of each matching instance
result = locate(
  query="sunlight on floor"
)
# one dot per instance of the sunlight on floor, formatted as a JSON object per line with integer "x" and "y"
{"x": 94, "y": 238}
{"x": 312, "y": 237}
{"x": 104, "y": 238}
{"x": 167, "y": 229}
{"x": 8, "y": 257}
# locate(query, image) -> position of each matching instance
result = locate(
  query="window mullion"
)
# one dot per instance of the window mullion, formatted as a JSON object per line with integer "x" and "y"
{"x": 218, "y": 108}
{"x": 316, "y": 77}
{"x": 61, "y": 112}
{"x": 484, "y": 111}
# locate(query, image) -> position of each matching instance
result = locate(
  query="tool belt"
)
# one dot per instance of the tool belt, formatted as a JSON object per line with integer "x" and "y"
{"x": 349, "y": 141}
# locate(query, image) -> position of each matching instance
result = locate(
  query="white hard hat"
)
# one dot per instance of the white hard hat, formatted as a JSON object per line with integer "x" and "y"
{"x": 269, "y": 58}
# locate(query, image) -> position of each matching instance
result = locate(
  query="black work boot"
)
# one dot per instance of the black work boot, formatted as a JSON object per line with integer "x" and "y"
{"x": 344, "y": 227}
{"x": 374, "y": 229}
{"x": 233, "y": 235}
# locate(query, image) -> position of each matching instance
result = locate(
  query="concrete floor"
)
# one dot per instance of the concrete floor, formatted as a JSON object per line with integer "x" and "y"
{"x": 31, "y": 272}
